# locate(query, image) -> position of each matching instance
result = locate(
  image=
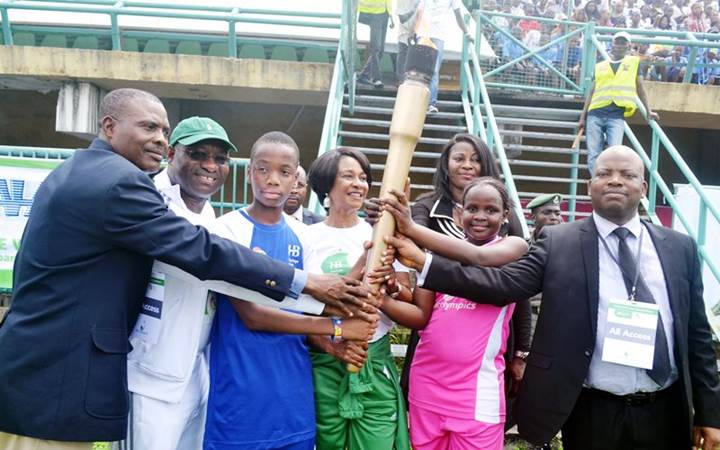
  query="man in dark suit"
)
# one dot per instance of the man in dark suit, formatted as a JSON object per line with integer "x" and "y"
{"x": 95, "y": 228}
{"x": 581, "y": 268}
{"x": 294, "y": 203}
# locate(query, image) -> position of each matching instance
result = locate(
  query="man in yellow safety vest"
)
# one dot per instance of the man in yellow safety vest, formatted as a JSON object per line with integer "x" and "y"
{"x": 613, "y": 96}
{"x": 375, "y": 14}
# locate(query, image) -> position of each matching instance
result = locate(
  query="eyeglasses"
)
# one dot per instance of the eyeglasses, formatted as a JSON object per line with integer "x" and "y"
{"x": 200, "y": 156}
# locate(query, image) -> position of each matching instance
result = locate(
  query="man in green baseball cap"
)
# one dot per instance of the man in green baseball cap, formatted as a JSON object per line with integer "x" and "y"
{"x": 545, "y": 210}
{"x": 170, "y": 412}
{"x": 198, "y": 161}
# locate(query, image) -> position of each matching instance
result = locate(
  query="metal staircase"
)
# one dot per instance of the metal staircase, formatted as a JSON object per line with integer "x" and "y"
{"x": 538, "y": 142}
{"x": 536, "y": 139}
{"x": 368, "y": 130}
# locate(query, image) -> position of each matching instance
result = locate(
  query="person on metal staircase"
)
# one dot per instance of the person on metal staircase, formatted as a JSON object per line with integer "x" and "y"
{"x": 613, "y": 97}
{"x": 375, "y": 14}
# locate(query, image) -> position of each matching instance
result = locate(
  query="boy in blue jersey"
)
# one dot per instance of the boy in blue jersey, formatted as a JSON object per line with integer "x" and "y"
{"x": 261, "y": 394}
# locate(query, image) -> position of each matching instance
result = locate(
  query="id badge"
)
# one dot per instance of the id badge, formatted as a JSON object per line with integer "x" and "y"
{"x": 630, "y": 332}
{"x": 147, "y": 327}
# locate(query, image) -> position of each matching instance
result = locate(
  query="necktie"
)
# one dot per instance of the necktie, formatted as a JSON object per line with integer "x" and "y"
{"x": 628, "y": 266}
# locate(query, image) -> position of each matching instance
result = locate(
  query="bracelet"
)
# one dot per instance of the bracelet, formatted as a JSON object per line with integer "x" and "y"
{"x": 337, "y": 328}
{"x": 522, "y": 355}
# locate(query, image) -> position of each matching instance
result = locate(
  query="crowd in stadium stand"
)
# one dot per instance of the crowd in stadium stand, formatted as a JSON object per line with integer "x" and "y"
{"x": 661, "y": 62}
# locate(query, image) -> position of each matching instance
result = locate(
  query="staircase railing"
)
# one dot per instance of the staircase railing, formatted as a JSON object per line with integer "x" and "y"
{"x": 474, "y": 90}
{"x": 198, "y": 15}
{"x": 504, "y": 74}
{"x": 343, "y": 74}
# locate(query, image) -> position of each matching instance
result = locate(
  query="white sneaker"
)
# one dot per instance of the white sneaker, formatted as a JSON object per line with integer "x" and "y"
{"x": 432, "y": 109}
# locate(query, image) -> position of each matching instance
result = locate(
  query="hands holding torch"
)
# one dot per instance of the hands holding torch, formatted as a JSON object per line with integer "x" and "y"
{"x": 405, "y": 130}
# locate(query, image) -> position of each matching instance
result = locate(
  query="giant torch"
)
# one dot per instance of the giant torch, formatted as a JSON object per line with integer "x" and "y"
{"x": 406, "y": 127}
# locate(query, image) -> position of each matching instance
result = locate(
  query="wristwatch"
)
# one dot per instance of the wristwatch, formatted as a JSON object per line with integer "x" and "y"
{"x": 521, "y": 355}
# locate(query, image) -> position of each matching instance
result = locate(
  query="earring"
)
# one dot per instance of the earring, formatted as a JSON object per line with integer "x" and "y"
{"x": 326, "y": 202}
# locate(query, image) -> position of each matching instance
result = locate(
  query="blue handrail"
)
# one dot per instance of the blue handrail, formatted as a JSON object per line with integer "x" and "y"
{"x": 113, "y": 9}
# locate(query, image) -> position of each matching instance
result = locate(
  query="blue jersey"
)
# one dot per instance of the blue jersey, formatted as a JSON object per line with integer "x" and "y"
{"x": 261, "y": 392}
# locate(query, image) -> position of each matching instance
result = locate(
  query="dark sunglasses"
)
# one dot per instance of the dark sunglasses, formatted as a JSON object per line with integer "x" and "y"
{"x": 199, "y": 155}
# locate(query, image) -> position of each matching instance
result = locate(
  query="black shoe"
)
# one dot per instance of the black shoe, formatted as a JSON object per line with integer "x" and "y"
{"x": 362, "y": 79}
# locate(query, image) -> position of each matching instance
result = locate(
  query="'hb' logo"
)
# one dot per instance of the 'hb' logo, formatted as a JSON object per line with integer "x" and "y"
{"x": 294, "y": 251}
{"x": 12, "y": 198}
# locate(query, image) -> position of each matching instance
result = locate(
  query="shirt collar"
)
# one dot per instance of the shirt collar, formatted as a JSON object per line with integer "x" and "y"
{"x": 298, "y": 214}
{"x": 171, "y": 192}
{"x": 605, "y": 227}
{"x": 442, "y": 208}
{"x": 165, "y": 187}
{"x": 99, "y": 144}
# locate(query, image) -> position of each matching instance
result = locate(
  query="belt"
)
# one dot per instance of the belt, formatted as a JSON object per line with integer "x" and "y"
{"x": 634, "y": 399}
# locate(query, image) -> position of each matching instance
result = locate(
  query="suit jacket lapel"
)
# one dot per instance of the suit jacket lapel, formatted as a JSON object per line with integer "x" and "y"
{"x": 589, "y": 246}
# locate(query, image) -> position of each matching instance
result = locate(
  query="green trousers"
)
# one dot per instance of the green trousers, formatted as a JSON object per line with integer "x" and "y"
{"x": 359, "y": 411}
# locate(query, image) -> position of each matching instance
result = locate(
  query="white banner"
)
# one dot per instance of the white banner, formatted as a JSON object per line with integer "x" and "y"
{"x": 689, "y": 202}
{"x": 20, "y": 179}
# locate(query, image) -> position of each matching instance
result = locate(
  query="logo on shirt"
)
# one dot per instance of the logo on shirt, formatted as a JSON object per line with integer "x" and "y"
{"x": 337, "y": 264}
{"x": 294, "y": 251}
{"x": 447, "y": 303}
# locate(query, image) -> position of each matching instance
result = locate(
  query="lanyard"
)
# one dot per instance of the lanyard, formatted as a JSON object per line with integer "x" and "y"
{"x": 637, "y": 261}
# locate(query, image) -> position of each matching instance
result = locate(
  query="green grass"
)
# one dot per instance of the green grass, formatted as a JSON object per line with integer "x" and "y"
{"x": 515, "y": 443}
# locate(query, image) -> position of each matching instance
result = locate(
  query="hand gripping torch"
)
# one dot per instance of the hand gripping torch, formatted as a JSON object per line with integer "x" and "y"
{"x": 406, "y": 127}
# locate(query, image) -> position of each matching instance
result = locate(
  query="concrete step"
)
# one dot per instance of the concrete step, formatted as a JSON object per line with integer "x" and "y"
{"x": 367, "y": 100}
{"x": 517, "y": 178}
{"x": 543, "y": 149}
{"x": 389, "y": 111}
{"x": 386, "y": 124}
{"x": 527, "y": 122}
{"x": 384, "y": 151}
{"x": 421, "y": 187}
{"x": 536, "y": 112}
{"x": 413, "y": 169}
{"x": 385, "y": 137}
{"x": 531, "y": 195}
{"x": 552, "y": 164}
{"x": 541, "y": 135}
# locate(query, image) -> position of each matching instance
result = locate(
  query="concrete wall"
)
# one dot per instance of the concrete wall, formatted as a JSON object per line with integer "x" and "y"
{"x": 28, "y": 119}
{"x": 175, "y": 76}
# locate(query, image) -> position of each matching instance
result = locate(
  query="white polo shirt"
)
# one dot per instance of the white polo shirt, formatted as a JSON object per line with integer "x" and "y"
{"x": 161, "y": 362}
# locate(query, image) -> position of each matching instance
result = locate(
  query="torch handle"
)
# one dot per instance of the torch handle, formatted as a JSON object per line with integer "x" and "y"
{"x": 405, "y": 130}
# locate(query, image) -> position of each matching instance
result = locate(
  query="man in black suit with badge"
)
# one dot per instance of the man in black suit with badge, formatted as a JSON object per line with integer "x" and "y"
{"x": 622, "y": 357}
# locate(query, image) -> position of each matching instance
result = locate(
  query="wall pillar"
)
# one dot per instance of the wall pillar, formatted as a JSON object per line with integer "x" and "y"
{"x": 78, "y": 109}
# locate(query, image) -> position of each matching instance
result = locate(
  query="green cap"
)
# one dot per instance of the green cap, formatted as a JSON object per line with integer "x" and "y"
{"x": 544, "y": 199}
{"x": 195, "y": 129}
